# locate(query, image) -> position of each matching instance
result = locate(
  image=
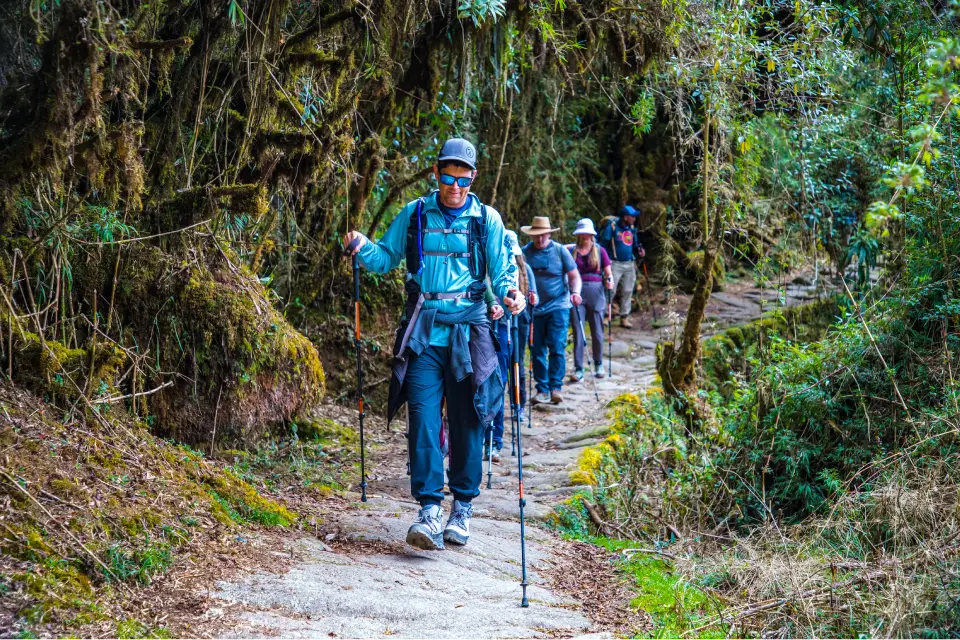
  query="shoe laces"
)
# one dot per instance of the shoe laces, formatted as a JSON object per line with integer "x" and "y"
{"x": 423, "y": 516}
{"x": 460, "y": 515}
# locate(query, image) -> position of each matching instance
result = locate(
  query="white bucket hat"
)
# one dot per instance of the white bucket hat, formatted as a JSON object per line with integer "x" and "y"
{"x": 512, "y": 242}
{"x": 585, "y": 228}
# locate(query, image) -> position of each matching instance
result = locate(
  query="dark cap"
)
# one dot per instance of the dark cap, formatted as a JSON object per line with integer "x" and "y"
{"x": 629, "y": 211}
{"x": 459, "y": 150}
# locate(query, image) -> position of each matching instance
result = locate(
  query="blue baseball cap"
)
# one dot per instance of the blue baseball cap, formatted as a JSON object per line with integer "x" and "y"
{"x": 629, "y": 211}
{"x": 459, "y": 150}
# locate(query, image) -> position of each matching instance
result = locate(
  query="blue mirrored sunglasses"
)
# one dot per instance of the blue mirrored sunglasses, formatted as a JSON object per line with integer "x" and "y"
{"x": 447, "y": 179}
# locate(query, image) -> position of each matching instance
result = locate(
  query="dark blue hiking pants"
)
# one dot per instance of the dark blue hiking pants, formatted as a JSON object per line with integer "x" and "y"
{"x": 428, "y": 381}
{"x": 549, "y": 349}
{"x": 503, "y": 334}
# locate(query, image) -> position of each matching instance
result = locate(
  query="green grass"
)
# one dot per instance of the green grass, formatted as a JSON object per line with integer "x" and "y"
{"x": 675, "y": 605}
{"x": 139, "y": 564}
{"x": 131, "y": 628}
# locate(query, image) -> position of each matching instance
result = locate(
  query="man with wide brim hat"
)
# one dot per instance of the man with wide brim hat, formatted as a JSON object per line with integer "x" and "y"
{"x": 540, "y": 226}
{"x": 558, "y": 285}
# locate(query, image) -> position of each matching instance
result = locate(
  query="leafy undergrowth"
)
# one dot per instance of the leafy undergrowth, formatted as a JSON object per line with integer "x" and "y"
{"x": 807, "y": 505}
{"x": 92, "y": 510}
{"x": 676, "y": 604}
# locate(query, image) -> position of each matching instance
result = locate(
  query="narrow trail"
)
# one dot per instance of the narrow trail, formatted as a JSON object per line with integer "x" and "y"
{"x": 357, "y": 578}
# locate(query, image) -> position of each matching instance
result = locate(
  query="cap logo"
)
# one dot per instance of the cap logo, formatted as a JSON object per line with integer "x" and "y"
{"x": 469, "y": 152}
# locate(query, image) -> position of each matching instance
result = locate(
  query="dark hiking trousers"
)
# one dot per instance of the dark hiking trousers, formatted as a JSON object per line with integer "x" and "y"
{"x": 523, "y": 329}
{"x": 503, "y": 355}
{"x": 592, "y": 312}
{"x": 549, "y": 349}
{"x": 428, "y": 379}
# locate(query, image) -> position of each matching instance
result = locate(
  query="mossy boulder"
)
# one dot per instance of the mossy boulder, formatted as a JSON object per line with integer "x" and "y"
{"x": 729, "y": 352}
{"x": 201, "y": 320}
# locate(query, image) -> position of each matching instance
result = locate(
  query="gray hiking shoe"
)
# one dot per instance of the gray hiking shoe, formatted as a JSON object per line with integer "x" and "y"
{"x": 457, "y": 530}
{"x": 541, "y": 398}
{"x": 598, "y": 371}
{"x": 577, "y": 376}
{"x": 495, "y": 452}
{"x": 426, "y": 532}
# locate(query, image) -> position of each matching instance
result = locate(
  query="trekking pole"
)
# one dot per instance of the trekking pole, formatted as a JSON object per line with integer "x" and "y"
{"x": 609, "y": 333}
{"x": 490, "y": 459}
{"x": 515, "y": 330}
{"x": 513, "y": 422}
{"x": 513, "y": 438}
{"x": 356, "y": 343}
{"x": 406, "y": 436}
{"x": 583, "y": 337}
{"x": 530, "y": 384}
{"x": 646, "y": 278}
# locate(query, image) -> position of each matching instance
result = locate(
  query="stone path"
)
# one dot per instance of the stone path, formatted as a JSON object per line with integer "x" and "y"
{"x": 367, "y": 582}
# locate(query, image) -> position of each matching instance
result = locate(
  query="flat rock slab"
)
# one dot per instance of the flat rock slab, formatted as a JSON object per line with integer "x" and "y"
{"x": 466, "y": 592}
{"x": 570, "y": 418}
{"x": 619, "y": 347}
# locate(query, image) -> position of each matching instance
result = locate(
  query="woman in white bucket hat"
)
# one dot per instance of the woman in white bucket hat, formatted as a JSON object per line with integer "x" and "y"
{"x": 593, "y": 263}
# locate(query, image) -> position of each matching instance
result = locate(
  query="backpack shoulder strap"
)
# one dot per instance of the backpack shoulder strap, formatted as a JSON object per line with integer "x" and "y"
{"x": 563, "y": 274}
{"x": 414, "y": 253}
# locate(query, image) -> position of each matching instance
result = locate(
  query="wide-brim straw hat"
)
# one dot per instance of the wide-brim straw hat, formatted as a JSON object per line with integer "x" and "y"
{"x": 540, "y": 226}
{"x": 585, "y": 228}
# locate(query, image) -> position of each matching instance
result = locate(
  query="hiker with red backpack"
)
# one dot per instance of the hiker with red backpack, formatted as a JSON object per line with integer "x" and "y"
{"x": 445, "y": 345}
{"x": 619, "y": 237}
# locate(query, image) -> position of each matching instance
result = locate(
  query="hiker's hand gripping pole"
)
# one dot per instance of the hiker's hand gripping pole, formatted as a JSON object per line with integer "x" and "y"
{"x": 515, "y": 397}
{"x": 350, "y": 250}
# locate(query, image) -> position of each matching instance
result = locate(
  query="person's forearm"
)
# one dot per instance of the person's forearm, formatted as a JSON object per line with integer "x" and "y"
{"x": 489, "y": 298}
{"x": 576, "y": 285}
{"x": 386, "y": 254}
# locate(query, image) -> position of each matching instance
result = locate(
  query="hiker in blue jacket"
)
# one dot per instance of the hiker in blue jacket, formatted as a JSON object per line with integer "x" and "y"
{"x": 619, "y": 238}
{"x": 558, "y": 283}
{"x": 445, "y": 345}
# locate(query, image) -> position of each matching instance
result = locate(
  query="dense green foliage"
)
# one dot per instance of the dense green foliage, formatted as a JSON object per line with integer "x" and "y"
{"x": 176, "y": 177}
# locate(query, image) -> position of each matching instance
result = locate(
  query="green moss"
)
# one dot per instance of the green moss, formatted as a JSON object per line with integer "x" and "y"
{"x": 68, "y": 489}
{"x": 730, "y": 351}
{"x": 596, "y": 432}
{"x": 131, "y": 628}
{"x": 326, "y": 431}
{"x": 241, "y": 503}
{"x": 58, "y": 584}
{"x": 675, "y": 605}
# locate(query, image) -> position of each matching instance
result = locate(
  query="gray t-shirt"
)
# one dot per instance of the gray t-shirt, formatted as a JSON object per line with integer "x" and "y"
{"x": 550, "y": 267}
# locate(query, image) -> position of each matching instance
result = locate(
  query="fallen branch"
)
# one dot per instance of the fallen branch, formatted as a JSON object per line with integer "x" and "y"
{"x": 602, "y": 526}
{"x": 131, "y": 395}
{"x": 658, "y": 552}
